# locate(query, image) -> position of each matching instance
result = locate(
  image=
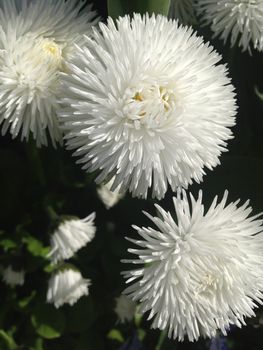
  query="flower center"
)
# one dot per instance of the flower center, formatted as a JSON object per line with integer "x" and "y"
{"x": 149, "y": 105}
{"x": 52, "y": 51}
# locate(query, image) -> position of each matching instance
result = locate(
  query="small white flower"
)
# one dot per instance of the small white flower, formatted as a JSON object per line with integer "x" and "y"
{"x": 108, "y": 197}
{"x": 70, "y": 236}
{"x": 147, "y": 103}
{"x": 35, "y": 39}
{"x": 241, "y": 20}
{"x": 200, "y": 272}
{"x": 183, "y": 10}
{"x": 125, "y": 308}
{"x": 66, "y": 287}
{"x": 12, "y": 277}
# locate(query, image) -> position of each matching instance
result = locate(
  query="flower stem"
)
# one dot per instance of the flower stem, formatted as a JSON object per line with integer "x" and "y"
{"x": 161, "y": 340}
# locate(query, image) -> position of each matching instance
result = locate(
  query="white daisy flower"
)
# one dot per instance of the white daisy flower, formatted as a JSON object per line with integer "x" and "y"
{"x": 70, "y": 236}
{"x": 125, "y": 308}
{"x": 66, "y": 287}
{"x": 200, "y": 272}
{"x": 36, "y": 36}
{"x": 147, "y": 104}
{"x": 183, "y": 10}
{"x": 12, "y": 277}
{"x": 239, "y": 20}
{"x": 108, "y": 197}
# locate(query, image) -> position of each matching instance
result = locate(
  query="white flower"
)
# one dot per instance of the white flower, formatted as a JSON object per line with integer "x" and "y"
{"x": 203, "y": 272}
{"x": 183, "y": 10}
{"x": 12, "y": 277}
{"x": 147, "y": 103}
{"x": 125, "y": 308}
{"x": 241, "y": 20}
{"x": 36, "y": 36}
{"x": 66, "y": 287}
{"x": 108, "y": 197}
{"x": 70, "y": 236}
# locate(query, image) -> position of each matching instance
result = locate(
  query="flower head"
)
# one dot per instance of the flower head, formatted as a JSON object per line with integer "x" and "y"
{"x": 70, "y": 236}
{"x": 202, "y": 271}
{"x": 125, "y": 308}
{"x": 12, "y": 277}
{"x": 146, "y": 103}
{"x": 66, "y": 287}
{"x": 108, "y": 197}
{"x": 35, "y": 39}
{"x": 183, "y": 10}
{"x": 241, "y": 20}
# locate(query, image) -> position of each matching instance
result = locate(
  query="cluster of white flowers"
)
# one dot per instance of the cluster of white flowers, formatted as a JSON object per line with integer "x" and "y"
{"x": 146, "y": 103}
{"x": 202, "y": 272}
{"x": 241, "y": 20}
{"x": 36, "y": 36}
{"x": 67, "y": 285}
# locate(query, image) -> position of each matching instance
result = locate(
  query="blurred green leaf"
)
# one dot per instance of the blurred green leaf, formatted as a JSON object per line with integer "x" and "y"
{"x": 23, "y": 303}
{"x": 6, "y": 341}
{"x": 115, "y": 334}
{"x": 8, "y": 244}
{"x": 118, "y": 8}
{"x": 48, "y": 322}
{"x": 35, "y": 247}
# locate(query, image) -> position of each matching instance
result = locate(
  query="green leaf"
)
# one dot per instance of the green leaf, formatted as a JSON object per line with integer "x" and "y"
{"x": 35, "y": 247}
{"x": 8, "y": 244}
{"x": 48, "y": 322}
{"x": 23, "y": 303}
{"x": 118, "y": 8}
{"x": 6, "y": 341}
{"x": 115, "y": 334}
{"x": 154, "y": 6}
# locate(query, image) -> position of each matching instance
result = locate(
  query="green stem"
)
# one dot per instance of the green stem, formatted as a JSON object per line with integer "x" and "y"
{"x": 53, "y": 216}
{"x": 161, "y": 340}
{"x": 118, "y": 8}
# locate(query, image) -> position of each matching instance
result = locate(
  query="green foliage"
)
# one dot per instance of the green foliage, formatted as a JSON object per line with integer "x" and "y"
{"x": 48, "y": 322}
{"x": 118, "y": 8}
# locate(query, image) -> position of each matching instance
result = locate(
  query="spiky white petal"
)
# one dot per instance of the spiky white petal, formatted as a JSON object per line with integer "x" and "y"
{"x": 107, "y": 196}
{"x": 125, "y": 308}
{"x": 36, "y": 36}
{"x": 146, "y": 102}
{"x": 183, "y": 10}
{"x": 12, "y": 277}
{"x": 239, "y": 20}
{"x": 66, "y": 287}
{"x": 200, "y": 272}
{"x": 70, "y": 236}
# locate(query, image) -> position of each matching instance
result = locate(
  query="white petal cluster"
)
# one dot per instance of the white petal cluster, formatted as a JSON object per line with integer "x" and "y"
{"x": 239, "y": 20}
{"x": 66, "y": 287}
{"x": 70, "y": 236}
{"x": 12, "y": 277}
{"x": 108, "y": 197}
{"x": 36, "y": 36}
{"x": 200, "y": 272}
{"x": 147, "y": 103}
{"x": 183, "y": 10}
{"x": 125, "y": 308}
